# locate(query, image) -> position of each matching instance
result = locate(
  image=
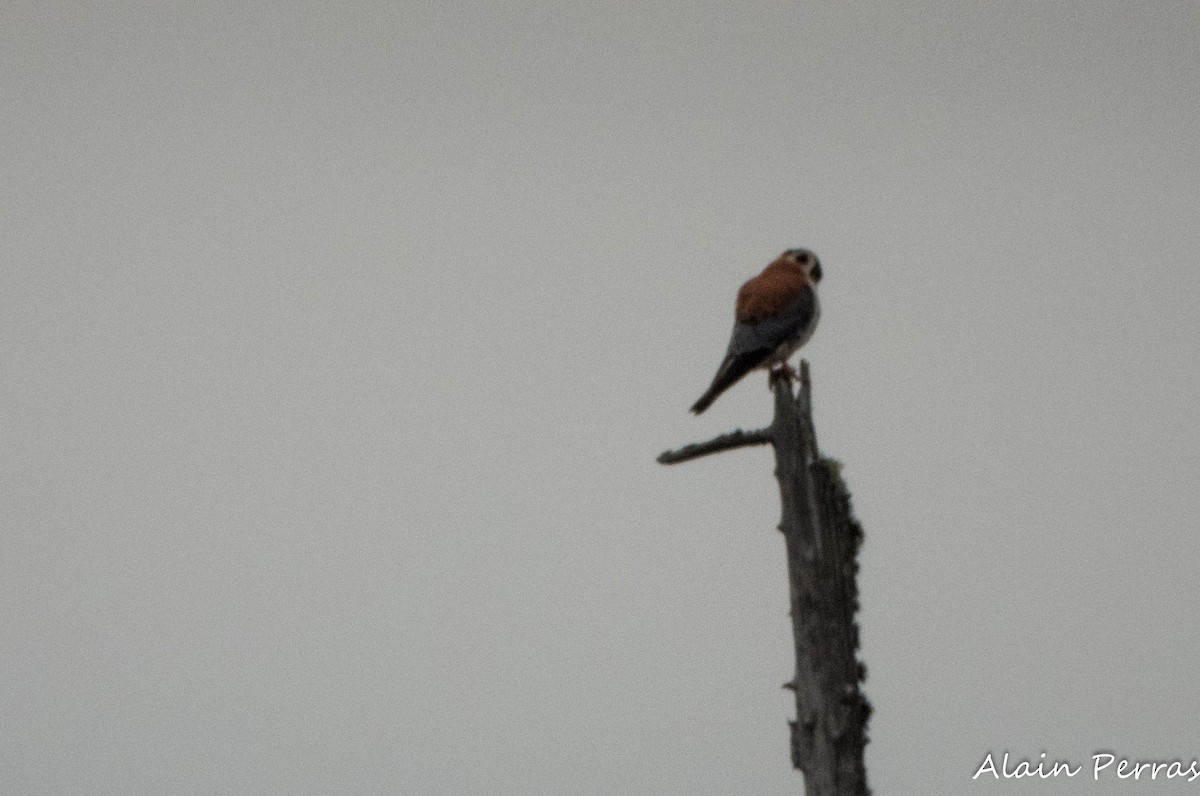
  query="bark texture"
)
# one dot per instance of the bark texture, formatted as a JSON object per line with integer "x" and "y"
{"x": 822, "y": 539}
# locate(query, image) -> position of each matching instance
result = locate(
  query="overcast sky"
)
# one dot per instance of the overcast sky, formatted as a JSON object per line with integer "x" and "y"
{"x": 338, "y": 341}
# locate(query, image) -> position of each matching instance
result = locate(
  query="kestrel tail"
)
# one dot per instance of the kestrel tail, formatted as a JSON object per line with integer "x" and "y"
{"x": 776, "y": 313}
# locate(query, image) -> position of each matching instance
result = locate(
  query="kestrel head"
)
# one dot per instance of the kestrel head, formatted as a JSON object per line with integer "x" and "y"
{"x": 806, "y": 260}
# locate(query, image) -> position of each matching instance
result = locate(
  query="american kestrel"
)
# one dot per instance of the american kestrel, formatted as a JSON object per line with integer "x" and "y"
{"x": 776, "y": 314}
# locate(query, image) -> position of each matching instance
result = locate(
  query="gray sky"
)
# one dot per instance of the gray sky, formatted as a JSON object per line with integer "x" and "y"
{"x": 339, "y": 341}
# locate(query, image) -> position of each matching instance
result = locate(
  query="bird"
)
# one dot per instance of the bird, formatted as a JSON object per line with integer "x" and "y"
{"x": 776, "y": 313}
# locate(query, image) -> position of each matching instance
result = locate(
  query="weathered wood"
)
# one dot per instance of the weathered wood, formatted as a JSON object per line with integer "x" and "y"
{"x": 821, "y": 539}
{"x": 734, "y": 439}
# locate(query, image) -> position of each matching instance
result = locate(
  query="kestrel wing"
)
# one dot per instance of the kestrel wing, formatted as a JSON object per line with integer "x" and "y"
{"x": 753, "y": 343}
{"x": 769, "y": 333}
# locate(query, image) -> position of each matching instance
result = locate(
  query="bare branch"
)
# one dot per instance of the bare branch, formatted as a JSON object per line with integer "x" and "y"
{"x": 821, "y": 540}
{"x": 734, "y": 439}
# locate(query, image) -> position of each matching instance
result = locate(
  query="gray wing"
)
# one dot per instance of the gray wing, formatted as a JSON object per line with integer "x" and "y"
{"x": 793, "y": 323}
{"x": 753, "y": 344}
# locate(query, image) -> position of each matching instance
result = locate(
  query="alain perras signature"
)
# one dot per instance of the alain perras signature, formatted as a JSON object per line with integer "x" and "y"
{"x": 1102, "y": 764}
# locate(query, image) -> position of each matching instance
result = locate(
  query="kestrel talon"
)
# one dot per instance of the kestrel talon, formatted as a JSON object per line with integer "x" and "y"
{"x": 776, "y": 313}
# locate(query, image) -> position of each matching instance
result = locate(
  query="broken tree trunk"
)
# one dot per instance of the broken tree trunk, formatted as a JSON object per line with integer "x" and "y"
{"x": 822, "y": 539}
